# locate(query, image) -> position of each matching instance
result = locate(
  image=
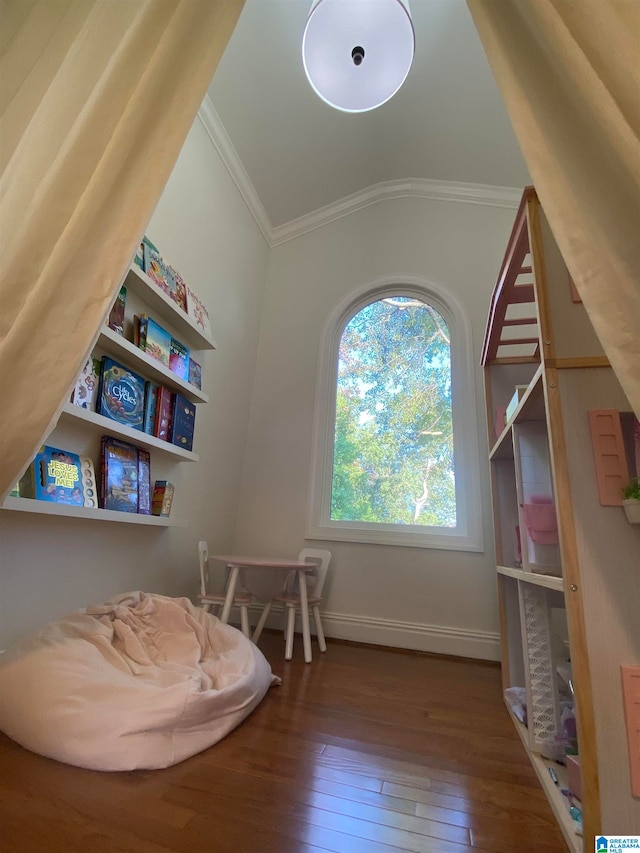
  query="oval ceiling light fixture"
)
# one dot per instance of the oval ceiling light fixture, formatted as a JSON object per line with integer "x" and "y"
{"x": 357, "y": 53}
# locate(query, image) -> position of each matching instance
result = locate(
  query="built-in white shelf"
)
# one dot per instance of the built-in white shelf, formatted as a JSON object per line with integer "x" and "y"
{"x": 552, "y": 790}
{"x": 101, "y": 424}
{"x": 161, "y": 305}
{"x": 530, "y": 408}
{"x": 120, "y": 348}
{"x": 548, "y": 581}
{"x": 47, "y": 508}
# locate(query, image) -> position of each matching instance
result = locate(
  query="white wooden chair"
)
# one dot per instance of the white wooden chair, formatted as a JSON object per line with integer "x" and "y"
{"x": 290, "y": 597}
{"x": 242, "y": 597}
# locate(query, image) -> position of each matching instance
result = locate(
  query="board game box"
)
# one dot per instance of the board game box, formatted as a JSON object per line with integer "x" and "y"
{"x": 182, "y": 422}
{"x": 144, "y": 482}
{"x": 121, "y": 394}
{"x": 157, "y": 341}
{"x": 179, "y": 359}
{"x": 86, "y": 389}
{"x": 162, "y": 498}
{"x": 54, "y": 475}
{"x": 119, "y": 476}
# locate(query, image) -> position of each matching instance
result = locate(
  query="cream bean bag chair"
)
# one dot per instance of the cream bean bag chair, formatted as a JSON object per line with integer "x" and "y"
{"x": 142, "y": 681}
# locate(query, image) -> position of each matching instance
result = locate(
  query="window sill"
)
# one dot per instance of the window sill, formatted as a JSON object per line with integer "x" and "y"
{"x": 408, "y": 539}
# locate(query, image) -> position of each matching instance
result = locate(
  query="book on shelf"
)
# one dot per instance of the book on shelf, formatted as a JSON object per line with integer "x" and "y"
{"x": 179, "y": 359}
{"x": 115, "y": 320}
{"x": 160, "y": 272}
{"x": 195, "y": 373}
{"x": 121, "y": 394}
{"x": 54, "y": 475}
{"x": 139, "y": 331}
{"x": 183, "y": 416}
{"x": 138, "y": 258}
{"x": 86, "y": 388}
{"x": 181, "y": 292}
{"x": 144, "y": 482}
{"x": 119, "y": 475}
{"x": 150, "y": 406}
{"x": 196, "y": 309}
{"x": 162, "y": 498}
{"x": 155, "y": 340}
{"x": 162, "y": 425}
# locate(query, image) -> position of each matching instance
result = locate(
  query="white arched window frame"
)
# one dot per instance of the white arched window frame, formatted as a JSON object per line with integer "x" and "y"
{"x": 467, "y": 534}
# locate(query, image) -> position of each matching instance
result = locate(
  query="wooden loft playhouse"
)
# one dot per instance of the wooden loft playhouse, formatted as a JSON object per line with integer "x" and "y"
{"x": 568, "y": 570}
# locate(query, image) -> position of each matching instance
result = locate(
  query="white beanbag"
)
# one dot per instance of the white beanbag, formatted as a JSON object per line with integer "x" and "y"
{"x": 142, "y": 681}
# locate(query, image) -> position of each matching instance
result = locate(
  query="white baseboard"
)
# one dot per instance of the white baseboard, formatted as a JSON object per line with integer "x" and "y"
{"x": 483, "y": 645}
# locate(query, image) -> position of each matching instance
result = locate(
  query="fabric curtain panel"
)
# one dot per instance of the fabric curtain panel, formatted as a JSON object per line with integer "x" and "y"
{"x": 569, "y": 73}
{"x": 96, "y": 100}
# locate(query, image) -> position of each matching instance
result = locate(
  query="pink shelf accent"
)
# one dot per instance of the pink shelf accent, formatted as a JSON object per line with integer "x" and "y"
{"x": 540, "y": 518}
{"x": 609, "y": 455}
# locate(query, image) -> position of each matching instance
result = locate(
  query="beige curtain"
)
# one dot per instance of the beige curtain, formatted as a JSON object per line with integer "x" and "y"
{"x": 96, "y": 99}
{"x": 569, "y": 73}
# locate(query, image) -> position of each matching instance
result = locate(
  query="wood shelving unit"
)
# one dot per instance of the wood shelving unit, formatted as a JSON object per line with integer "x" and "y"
{"x": 46, "y": 508}
{"x": 537, "y": 336}
{"x": 84, "y": 426}
{"x": 100, "y": 424}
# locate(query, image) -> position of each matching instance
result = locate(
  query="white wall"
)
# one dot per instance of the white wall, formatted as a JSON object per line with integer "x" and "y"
{"x": 50, "y": 566}
{"x": 434, "y": 600}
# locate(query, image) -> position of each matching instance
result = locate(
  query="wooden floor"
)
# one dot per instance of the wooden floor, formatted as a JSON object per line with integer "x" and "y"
{"x": 363, "y": 751}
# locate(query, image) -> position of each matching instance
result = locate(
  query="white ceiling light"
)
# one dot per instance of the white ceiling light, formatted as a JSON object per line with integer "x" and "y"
{"x": 357, "y": 53}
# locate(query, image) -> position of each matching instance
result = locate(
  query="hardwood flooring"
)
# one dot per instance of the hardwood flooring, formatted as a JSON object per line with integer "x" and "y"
{"x": 366, "y": 750}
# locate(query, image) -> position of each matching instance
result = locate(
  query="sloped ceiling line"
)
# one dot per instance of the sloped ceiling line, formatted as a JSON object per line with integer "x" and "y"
{"x": 504, "y": 197}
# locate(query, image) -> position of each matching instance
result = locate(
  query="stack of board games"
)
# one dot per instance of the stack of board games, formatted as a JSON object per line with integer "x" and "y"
{"x": 162, "y": 498}
{"x": 121, "y": 394}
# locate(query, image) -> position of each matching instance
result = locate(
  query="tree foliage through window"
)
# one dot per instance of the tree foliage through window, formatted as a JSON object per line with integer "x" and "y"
{"x": 393, "y": 448}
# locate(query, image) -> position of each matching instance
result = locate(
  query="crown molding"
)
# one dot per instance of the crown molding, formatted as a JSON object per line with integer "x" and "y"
{"x": 229, "y": 156}
{"x": 504, "y": 197}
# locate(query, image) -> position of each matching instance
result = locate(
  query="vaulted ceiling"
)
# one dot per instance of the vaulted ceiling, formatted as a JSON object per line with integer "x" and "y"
{"x": 446, "y": 124}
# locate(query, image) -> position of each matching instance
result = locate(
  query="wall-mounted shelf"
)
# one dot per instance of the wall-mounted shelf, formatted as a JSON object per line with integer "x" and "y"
{"x": 549, "y": 516}
{"x": 552, "y": 790}
{"x": 530, "y": 408}
{"x": 161, "y": 305}
{"x": 46, "y": 508}
{"x": 548, "y": 581}
{"x": 120, "y": 348}
{"x": 105, "y": 425}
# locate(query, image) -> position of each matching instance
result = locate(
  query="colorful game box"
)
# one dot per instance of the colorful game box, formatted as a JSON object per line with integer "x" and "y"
{"x": 195, "y": 373}
{"x": 55, "y": 475}
{"x": 121, "y": 395}
{"x": 157, "y": 341}
{"x": 119, "y": 480}
{"x": 162, "y": 425}
{"x": 162, "y": 498}
{"x": 144, "y": 482}
{"x": 179, "y": 359}
{"x": 182, "y": 422}
{"x": 150, "y": 406}
{"x": 115, "y": 319}
{"x": 86, "y": 390}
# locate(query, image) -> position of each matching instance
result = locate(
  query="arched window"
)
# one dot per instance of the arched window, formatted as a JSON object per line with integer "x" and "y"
{"x": 395, "y": 461}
